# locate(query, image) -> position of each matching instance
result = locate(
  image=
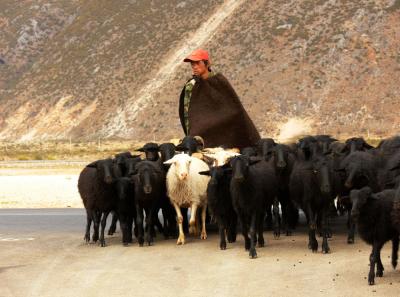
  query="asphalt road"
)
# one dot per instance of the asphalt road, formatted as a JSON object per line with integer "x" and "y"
{"x": 42, "y": 253}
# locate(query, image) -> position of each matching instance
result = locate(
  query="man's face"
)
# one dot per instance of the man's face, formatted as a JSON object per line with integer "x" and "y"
{"x": 198, "y": 68}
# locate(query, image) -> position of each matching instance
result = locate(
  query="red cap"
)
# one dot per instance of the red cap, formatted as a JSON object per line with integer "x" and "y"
{"x": 198, "y": 55}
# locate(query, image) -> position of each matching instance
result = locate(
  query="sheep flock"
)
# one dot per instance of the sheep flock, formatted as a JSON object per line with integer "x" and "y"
{"x": 248, "y": 191}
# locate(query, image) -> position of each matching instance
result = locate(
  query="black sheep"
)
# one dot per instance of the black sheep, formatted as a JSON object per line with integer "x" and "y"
{"x": 126, "y": 207}
{"x": 167, "y": 151}
{"x": 264, "y": 147}
{"x": 190, "y": 145}
{"x": 149, "y": 185}
{"x": 249, "y": 151}
{"x": 283, "y": 160}
{"x": 373, "y": 214}
{"x": 220, "y": 203}
{"x": 356, "y": 144}
{"x": 310, "y": 188}
{"x": 253, "y": 187}
{"x": 151, "y": 150}
{"x": 95, "y": 185}
{"x": 121, "y": 160}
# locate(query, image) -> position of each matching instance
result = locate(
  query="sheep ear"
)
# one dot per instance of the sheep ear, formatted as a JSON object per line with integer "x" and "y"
{"x": 206, "y": 172}
{"x": 254, "y": 160}
{"x": 367, "y": 146}
{"x": 180, "y": 148}
{"x": 341, "y": 169}
{"x": 170, "y": 161}
{"x": 93, "y": 164}
{"x": 227, "y": 169}
{"x": 394, "y": 167}
{"x": 140, "y": 150}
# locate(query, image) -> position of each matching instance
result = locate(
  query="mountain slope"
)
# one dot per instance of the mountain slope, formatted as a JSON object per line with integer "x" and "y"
{"x": 115, "y": 70}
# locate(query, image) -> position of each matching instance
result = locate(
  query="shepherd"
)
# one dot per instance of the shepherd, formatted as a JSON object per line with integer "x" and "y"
{"x": 209, "y": 107}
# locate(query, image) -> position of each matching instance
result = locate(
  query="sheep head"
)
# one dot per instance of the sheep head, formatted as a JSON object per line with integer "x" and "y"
{"x": 181, "y": 163}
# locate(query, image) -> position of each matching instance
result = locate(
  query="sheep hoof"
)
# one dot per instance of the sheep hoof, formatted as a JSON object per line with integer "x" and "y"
{"x": 253, "y": 254}
{"x": 203, "y": 235}
{"x": 394, "y": 264}
{"x": 277, "y": 234}
{"x": 102, "y": 243}
{"x": 350, "y": 240}
{"x": 222, "y": 246}
{"x": 379, "y": 273}
{"x": 181, "y": 240}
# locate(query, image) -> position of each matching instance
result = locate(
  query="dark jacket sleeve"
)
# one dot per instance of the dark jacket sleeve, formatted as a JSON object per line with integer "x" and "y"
{"x": 181, "y": 107}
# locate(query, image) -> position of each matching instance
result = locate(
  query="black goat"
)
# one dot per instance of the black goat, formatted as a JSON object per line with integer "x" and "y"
{"x": 373, "y": 213}
{"x": 253, "y": 187}
{"x": 220, "y": 203}
{"x": 310, "y": 188}
{"x": 95, "y": 185}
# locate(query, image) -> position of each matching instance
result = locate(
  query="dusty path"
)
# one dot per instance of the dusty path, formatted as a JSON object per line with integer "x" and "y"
{"x": 40, "y": 184}
{"x": 43, "y": 254}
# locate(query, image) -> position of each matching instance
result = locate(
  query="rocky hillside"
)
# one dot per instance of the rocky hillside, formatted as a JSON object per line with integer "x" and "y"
{"x": 90, "y": 68}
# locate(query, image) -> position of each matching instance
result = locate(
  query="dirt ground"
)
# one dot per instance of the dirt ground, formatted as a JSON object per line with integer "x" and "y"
{"x": 51, "y": 264}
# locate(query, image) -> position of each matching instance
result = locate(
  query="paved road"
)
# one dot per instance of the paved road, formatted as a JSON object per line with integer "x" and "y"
{"x": 42, "y": 253}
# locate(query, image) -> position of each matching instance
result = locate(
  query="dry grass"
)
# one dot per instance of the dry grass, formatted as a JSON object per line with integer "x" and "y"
{"x": 64, "y": 150}
{"x": 85, "y": 151}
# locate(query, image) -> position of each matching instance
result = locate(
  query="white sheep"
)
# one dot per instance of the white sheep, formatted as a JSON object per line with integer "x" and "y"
{"x": 187, "y": 188}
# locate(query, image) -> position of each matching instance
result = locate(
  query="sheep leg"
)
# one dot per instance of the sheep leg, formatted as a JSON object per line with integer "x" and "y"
{"x": 245, "y": 232}
{"x": 150, "y": 217}
{"x": 96, "y": 224}
{"x": 166, "y": 223}
{"x": 312, "y": 240}
{"x": 185, "y": 222}
{"x": 181, "y": 237}
{"x": 192, "y": 222}
{"x": 103, "y": 227}
{"x": 221, "y": 229}
{"x": 88, "y": 224}
{"x": 373, "y": 259}
{"x": 395, "y": 250}
{"x": 252, "y": 252}
{"x": 277, "y": 219}
{"x": 325, "y": 230}
{"x": 232, "y": 228}
{"x": 139, "y": 224}
{"x": 203, "y": 222}
{"x": 123, "y": 223}
{"x": 260, "y": 229}
{"x": 113, "y": 226}
{"x": 129, "y": 227}
{"x": 351, "y": 227}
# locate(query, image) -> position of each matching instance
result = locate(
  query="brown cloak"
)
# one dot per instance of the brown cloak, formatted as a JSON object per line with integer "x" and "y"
{"x": 217, "y": 115}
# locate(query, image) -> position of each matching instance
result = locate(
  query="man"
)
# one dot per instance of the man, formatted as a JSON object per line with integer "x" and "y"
{"x": 209, "y": 107}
